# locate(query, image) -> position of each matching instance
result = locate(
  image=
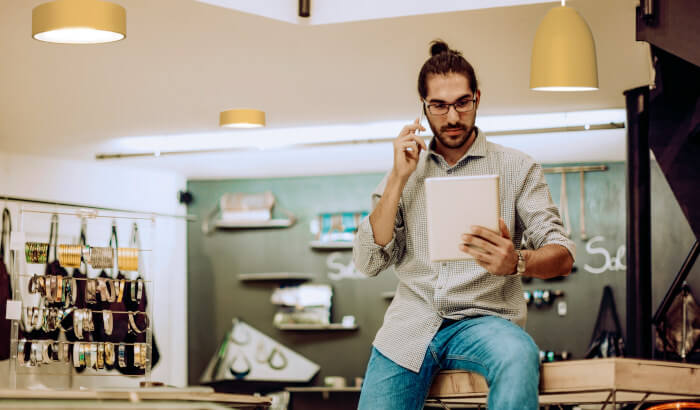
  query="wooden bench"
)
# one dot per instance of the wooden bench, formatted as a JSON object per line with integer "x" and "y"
{"x": 596, "y": 381}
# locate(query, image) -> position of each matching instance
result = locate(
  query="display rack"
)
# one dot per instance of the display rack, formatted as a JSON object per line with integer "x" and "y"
{"x": 302, "y": 326}
{"x": 275, "y": 276}
{"x": 332, "y": 245}
{"x": 237, "y": 210}
{"x": 59, "y": 338}
{"x": 272, "y": 223}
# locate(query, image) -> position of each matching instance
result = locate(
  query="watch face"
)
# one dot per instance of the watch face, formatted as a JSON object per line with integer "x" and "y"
{"x": 521, "y": 266}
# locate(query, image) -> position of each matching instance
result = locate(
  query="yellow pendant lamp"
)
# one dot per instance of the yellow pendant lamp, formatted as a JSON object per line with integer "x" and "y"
{"x": 242, "y": 118}
{"x": 79, "y": 22}
{"x": 563, "y": 56}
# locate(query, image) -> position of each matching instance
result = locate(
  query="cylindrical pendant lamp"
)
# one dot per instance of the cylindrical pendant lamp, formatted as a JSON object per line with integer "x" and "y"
{"x": 242, "y": 118}
{"x": 563, "y": 55}
{"x": 79, "y": 22}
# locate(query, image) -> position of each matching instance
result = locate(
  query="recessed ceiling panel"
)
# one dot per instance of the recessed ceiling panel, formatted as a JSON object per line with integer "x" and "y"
{"x": 334, "y": 11}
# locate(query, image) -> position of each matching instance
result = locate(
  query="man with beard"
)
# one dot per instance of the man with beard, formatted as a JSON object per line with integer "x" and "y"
{"x": 465, "y": 315}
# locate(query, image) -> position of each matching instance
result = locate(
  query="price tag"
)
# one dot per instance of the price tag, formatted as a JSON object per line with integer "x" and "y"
{"x": 17, "y": 240}
{"x": 14, "y": 310}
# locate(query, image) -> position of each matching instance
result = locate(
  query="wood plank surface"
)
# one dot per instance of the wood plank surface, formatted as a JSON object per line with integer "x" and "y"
{"x": 566, "y": 398}
{"x": 136, "y": 395}
{"x": 587, "y": 381}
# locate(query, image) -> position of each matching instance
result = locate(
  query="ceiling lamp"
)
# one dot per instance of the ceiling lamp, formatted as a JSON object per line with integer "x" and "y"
{"x": 79, "y": 22}
{"x": 242, "y": 118}
{"x": 563, "y": 56}
{"x": 304, "y": 8}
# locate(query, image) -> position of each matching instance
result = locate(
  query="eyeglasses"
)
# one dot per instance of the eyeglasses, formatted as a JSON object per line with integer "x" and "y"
{"x": 461, "y": 106}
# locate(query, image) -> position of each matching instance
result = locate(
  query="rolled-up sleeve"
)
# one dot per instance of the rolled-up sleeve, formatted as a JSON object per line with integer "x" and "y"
{"x": 369, "y": 257}
{"x": 538, "y": 213}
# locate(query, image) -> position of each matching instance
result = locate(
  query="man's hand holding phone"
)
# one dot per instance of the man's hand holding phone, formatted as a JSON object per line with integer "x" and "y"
{"x": 407, "y": 148}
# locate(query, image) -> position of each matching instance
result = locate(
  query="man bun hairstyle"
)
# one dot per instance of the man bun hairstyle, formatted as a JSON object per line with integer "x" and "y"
{"x": 443, "y": 61}
{"x": 437, "y": 47}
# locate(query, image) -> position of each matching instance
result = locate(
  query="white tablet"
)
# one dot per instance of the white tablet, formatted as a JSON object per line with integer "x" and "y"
{"x": 453, "y": 205}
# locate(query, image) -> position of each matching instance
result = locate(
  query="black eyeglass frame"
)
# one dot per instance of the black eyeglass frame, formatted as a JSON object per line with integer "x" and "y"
{"x": 427, "y": 105}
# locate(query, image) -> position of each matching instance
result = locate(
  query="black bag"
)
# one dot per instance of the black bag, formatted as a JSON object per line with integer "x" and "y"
{"x": 141, "y": 321}
{"x": 678, "y": 335}
{"x": 5, "y": 288}
{"x": 607, "y": 339}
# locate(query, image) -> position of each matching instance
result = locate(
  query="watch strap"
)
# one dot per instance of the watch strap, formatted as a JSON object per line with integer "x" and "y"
{"x": 520, "y": 265}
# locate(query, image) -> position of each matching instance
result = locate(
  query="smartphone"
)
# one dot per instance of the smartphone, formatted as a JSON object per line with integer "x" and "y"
{"x": 420, "y": 122}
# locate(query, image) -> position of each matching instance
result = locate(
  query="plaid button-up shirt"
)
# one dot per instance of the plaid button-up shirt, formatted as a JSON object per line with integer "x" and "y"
{"x": 429, "y": 292}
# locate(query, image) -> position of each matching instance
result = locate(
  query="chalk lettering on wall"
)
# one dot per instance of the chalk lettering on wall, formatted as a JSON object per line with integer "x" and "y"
{"x": 611, "y": 263}
{"x": 344, "y": 271}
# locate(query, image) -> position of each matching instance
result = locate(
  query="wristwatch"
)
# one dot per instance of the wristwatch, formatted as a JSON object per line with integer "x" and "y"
{"x": 520, "y": 267}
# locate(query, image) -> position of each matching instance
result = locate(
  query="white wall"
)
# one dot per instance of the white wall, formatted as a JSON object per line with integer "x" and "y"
{"x": 113, "y": 186}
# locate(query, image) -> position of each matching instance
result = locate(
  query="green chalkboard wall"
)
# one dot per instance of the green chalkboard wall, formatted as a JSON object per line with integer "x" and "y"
{"x": 215, "y": 260}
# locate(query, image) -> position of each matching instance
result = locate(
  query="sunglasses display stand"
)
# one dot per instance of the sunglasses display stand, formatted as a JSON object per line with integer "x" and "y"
{"x": 53, "y": 341}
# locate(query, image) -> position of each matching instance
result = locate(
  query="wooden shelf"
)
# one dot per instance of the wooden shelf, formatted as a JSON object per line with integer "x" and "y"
{"x": 331, "y": 245}
{"x": 272, "y": 223}
{"x": 302, "y": 326}
{"x": 247, "y": 277}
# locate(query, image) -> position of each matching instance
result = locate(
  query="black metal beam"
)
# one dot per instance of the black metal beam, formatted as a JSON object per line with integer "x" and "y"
{"x": 674, "y": 129}
{"x": 639, "y": 331}
{"x": 672, "y": 26}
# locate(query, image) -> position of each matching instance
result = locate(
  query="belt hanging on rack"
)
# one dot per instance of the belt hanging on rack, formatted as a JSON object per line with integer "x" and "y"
{"x": 133, "y": 264}
{"x": 83, "y": 243}
{"x": 135, "y": 246}
{"x": 120, "y": 323}
{"x": 114, "y": 248}
{"x": 53, "y": 238}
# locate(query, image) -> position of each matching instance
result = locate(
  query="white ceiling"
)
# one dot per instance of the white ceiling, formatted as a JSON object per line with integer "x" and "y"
{"x": 184, "y": 61}
{"x": 334, "y": 11}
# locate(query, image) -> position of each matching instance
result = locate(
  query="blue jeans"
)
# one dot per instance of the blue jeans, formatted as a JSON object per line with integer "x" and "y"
{"x": 497, "y": 349}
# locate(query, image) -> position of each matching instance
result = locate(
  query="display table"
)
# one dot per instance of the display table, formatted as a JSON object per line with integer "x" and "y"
{"x": 595, "y": 381}
{"x": 154, "y": 398}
